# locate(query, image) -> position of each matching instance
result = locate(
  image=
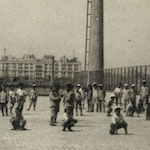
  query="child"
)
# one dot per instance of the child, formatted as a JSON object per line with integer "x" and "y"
{"x": 78, "y": 100}
{"x": 118, "y": 122}
{"x": 141, "y": 106}
{"x": 68, "y": 121}
{"x": 131, "y": 109}
{"x": 110, "y": 103}
{"x": 18, "y": 121}
{"x": 12, "y": 99}
{"x": 3, "y": 100}
{"x": 148, "y": 112}
{"x": 32, "y": 97}
{"x": 101, "y": 99}
{"x": 21, "y": 97}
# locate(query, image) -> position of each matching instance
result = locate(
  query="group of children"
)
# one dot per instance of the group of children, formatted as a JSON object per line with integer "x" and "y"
{"x": 16, "y": 102}
{"x": 73, "y": 98}
{"x": 129, "y": 98}
{"x": 68, "y": 100}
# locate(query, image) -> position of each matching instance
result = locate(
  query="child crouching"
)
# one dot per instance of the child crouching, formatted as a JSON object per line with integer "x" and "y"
{"x": 118, "y": 122}
{"x": 17, "y": 121}
{"x": 68, "y": 121}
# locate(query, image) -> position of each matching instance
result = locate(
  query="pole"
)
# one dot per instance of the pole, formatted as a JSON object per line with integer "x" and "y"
{"x": 52, "y": 76}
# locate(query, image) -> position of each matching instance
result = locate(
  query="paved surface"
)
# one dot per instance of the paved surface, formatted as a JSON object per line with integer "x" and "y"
{"x": 91, "y": 133}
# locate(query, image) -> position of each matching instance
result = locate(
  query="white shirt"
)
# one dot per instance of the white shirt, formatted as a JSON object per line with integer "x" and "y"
{"x": 11, "y": 93}
{"x": 118, "y": 91}
{"x": 144, "y": 91}
{"x": 125, "y": 94}
{"x": 95, "y": 93}
{"x": 101, "y": 95}
{"x": 117, "y": 119}
{"x": 66, "y": 116}
{"x": 32, "y": 94}
{"x": 82, "y": 92}
{"x": 20, "y": 92}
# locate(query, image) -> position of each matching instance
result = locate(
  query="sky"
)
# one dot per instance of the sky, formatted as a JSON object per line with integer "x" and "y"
{"x": 58, "y": 27}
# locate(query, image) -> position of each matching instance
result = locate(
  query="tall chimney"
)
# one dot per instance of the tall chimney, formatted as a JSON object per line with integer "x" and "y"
{"x": 96, "y": 60}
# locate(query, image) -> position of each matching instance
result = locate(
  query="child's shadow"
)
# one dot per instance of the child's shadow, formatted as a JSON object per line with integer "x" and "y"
{"x": 74, "y": 131}
{"x": 125, "y": 134}
{"x": 84, "y": 125}
{"x": 20, "y": 130}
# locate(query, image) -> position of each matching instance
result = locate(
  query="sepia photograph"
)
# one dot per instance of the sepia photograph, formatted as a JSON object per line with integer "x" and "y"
{"x": 74, "y": 74}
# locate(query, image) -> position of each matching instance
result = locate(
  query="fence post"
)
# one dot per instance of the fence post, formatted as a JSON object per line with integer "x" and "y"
{"x": 141, "y": 76}
{"x": 145, "y": 72}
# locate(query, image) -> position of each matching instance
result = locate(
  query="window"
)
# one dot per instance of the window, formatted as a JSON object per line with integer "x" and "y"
{"x": 56, "y": 69}
{"x": 13, "y": 66}
{"x": 31, "y": 66}
{"x": 20, "y": 67}
{"x": 39, "y": 67}
{"x": 8, "y": 66}
{"x": 26, "y": 66}
{"x": 63, "y": 65}
{"x": 76, "y": 67}
{"x": 56, "y": 65}
{"x": 13, "y": 73}
{"x": 63, "y": 74}
{"x": 70, "y": 74}
{"x": 69, "y": 67}
{"x": 20, "y": 73}
{"x": 63, "y": 69}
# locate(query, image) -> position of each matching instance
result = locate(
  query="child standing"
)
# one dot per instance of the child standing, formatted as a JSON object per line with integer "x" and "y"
{"x": 78, "y": 100}
{"x": 110, "y": 103}
{"x": 118, "y": 122}
{"x": 126, "y": 96}
{"x": 3, "y": 100}
{"x": 95, "y": 95}
{"x": 33, "y": 97}
{"x": 101, "y": 99}
{"x": 12, "y": 99}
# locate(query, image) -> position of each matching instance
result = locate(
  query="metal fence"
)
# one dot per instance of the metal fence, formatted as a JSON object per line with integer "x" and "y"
{"x": 112, "y": 77}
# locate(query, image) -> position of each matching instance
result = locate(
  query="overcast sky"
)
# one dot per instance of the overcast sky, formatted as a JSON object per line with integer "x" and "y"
{"x": 58, "y": 27}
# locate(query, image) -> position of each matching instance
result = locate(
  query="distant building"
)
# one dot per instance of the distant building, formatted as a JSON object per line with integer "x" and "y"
{"x": 32, "y": 67}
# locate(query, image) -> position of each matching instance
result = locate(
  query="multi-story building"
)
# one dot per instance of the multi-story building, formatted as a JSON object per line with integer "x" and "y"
{"x": 31, "y": 67}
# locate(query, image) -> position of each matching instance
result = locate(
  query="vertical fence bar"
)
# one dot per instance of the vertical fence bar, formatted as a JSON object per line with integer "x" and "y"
{"x": 128, "y": 76}
{"x": 145, "y": 72}
{"x": 111, "y": 81}
{"x": 124, "y": 75}
{"x": 117, "y": 76}
{"x": 105, "y": 79}
{"x": 121, "y": 76}
{"x": 141, "y": 76}
{"x": 132, "y": 74}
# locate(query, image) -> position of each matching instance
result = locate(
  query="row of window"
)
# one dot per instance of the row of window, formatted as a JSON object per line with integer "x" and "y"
{"x": 39, "y": 67}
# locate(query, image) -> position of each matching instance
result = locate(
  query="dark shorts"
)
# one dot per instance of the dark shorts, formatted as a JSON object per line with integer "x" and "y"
{"x": 113, "y": 127}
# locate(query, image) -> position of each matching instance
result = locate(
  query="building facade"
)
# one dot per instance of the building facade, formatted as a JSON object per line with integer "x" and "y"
{"x": 30, "y": 66}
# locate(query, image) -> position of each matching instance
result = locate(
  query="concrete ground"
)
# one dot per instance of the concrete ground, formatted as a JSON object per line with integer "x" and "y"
{"x": 90, "y": 133}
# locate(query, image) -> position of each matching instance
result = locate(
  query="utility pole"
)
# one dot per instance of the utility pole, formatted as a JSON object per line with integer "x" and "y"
{"x": 73, "y": 53}
{"x": 87, "y": 36}
{"x": 5, "y": 53}
{"x": 52, "y": 76}
{"x": 5, "y": 71}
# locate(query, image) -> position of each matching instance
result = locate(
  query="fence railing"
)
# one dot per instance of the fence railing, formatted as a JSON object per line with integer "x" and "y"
{"x": 112, "y": 77}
